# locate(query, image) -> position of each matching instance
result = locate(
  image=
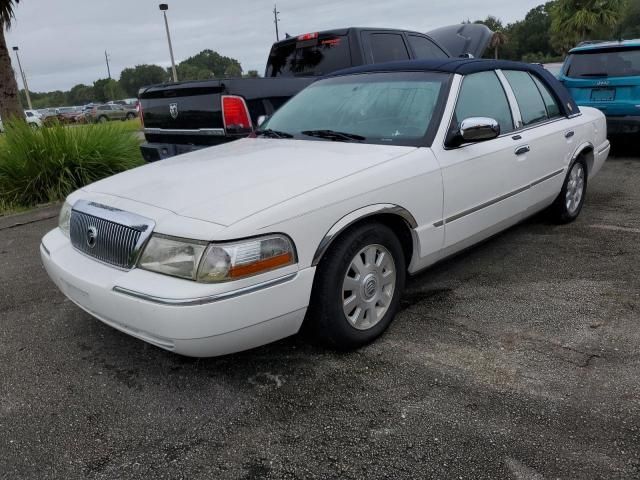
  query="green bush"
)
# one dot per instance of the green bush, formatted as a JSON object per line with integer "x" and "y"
{"x": 46, "y": 164}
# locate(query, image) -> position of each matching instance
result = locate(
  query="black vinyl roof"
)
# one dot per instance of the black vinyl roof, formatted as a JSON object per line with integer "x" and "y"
{"x": 467, "y": 66}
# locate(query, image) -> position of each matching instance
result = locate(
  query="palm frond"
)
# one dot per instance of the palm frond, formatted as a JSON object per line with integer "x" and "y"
{"x": 7, "y": 11}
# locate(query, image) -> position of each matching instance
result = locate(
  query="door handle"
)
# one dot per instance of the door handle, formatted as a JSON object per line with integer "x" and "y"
{"x": 523, "y": 149}
{"x": 569, "y": 134}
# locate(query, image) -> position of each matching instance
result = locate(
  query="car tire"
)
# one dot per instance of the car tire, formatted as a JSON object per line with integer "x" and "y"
{"x": 130, "y": 116}
{"x": 364, "y": 269}
{"x": 102, "y": 119}
{"x": 567, "y": 206}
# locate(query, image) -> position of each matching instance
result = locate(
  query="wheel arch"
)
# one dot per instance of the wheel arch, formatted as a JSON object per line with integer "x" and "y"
{"x": 585, "y": 150}
{"x": 398, "y": 218}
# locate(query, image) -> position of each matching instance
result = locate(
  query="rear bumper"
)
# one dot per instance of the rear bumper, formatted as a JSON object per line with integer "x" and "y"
{"x": 153, "y": 152}
{"x": 225, "y": 320}
{"x": 623, "y": 124}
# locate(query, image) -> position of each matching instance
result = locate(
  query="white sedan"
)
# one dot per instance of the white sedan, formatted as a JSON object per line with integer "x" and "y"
{"x": 364, "y": 177}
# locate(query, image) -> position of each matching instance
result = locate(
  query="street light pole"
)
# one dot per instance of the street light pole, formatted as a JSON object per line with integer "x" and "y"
{"x": 164, "y": 7}
{"x": 24, "y": 79}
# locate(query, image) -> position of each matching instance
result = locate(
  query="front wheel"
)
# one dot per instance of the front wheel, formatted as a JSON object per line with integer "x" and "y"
{"x": 130, "y": 116}
{"x": 568, "y": 205}
{"x": 357, "y": 288}
{"x": 103, "y": 119}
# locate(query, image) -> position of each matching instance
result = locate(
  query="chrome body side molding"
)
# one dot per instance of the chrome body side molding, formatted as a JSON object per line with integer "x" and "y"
{"x": 187, "y": 302}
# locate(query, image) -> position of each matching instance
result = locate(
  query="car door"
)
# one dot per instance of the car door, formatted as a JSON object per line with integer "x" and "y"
{"x": 484, "y": 182}
{"x": 546, "y": 134}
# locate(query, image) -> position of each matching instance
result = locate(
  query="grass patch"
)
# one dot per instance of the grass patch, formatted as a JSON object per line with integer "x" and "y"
{"x": 45, "y": 165}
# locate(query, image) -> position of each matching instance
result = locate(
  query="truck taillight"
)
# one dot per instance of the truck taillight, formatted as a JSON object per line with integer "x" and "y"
{"x": 235, "y": 113}
{"x": 307, "y": 36}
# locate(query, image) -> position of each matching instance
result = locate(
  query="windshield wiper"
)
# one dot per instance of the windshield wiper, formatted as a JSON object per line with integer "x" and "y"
{"x": 273, "y": 133}
{"x": 333, "y": 135}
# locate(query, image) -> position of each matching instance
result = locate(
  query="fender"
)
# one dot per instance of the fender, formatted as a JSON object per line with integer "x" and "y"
{"x": 359, "y": 214}
{"x": 576, "y": 153}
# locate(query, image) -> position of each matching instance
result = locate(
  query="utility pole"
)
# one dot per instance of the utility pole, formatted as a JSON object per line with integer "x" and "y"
{"x": 276, "y": 20}
{"x": 106, "y": 57}
{"x": 24, "y": 79}
{"x": 164, "y": 7}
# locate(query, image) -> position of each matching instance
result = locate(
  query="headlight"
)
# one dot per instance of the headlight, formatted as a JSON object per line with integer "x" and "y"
{"x": 172, "y": 256}
{"x": 230, "y": 261}
{"x": 216, "y": 262}
{"x": 64, "y": 219}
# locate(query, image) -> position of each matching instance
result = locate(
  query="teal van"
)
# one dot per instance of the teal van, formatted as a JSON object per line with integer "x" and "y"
{"x": 606, "y": 75}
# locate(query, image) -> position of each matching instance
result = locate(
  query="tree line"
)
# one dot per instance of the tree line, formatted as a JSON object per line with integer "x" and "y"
{"x": 549, "y": 31}
{"x": 206, "y": 64}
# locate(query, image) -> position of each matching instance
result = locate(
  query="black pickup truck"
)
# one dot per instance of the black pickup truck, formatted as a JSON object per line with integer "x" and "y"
{"x": 185, "y": 116}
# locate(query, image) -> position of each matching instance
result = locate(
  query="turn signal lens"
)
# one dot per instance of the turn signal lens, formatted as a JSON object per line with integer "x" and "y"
{"x": 224, "y": 262}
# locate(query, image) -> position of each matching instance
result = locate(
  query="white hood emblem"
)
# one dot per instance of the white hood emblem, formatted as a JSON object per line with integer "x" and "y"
{"x": 173, "y": 110}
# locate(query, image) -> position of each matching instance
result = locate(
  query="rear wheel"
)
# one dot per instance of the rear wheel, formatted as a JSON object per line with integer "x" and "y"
{"x": 357, "y": 288}
{"x": 568, "y": 205}
{"x": 130, "y": 116}
{"x": 103, "y": 119}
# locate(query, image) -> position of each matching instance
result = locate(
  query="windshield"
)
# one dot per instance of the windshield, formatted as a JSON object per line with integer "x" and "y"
{"x": 604, "y": 63}
{"x": 397, "y": 108}
{"x": 313, "y": 57}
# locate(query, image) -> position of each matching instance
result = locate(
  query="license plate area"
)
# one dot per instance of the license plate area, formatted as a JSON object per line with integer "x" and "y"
{"x": 603, "y": 94}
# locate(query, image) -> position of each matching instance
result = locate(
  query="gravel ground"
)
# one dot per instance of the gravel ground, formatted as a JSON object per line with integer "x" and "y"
{"x": 517, "y": 359}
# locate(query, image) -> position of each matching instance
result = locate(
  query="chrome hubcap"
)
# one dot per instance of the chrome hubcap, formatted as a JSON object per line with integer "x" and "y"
{"x": 368, "y": 286}
{"x": 575, "y": 188}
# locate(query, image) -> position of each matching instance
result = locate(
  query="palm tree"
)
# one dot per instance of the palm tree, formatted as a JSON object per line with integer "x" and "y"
{"x": 9, "y": 100}
{"x": 576, "y": 20}
{"x": 498, "y": 40}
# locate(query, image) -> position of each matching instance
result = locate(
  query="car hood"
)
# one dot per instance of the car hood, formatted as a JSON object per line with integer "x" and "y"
{"x": 461, "y": 39}
{"x": 228, "y": 183}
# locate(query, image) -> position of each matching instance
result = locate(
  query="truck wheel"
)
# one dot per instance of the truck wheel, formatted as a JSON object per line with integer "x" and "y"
{"x": 357, "y": 288}
{"x": 568, "y": 205}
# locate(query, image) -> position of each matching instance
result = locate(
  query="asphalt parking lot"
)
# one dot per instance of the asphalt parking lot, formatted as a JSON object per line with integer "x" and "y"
{"x": 517, "y": 359}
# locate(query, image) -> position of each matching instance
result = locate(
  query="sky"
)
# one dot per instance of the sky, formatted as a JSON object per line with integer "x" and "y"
{"x": 62, "y": 42}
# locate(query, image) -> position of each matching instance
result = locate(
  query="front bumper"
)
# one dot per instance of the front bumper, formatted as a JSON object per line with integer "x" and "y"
{"x": 191, "y": 322}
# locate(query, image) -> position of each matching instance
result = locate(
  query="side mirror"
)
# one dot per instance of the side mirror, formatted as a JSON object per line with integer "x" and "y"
{"x": 478, "y": 129}
{"x": 262, "y": 119}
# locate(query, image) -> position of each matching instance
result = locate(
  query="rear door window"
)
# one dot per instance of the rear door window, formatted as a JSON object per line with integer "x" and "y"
{"x": 532, "y": 107}
{"x": 482, "y": 95}
{"x": 387, "y": 47}
{"x": 309, "y": 56}
{"x": 424, "y": 48}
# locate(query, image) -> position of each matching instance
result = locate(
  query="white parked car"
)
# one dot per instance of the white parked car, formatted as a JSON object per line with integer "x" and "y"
{"x": 362, "y": 178}
{"x": 34, "y": 118}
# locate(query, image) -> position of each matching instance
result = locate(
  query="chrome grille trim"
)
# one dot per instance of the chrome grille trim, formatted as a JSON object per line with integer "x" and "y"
{"x": 119, "y": 236}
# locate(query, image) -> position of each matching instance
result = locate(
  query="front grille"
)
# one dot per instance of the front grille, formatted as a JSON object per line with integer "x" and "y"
{"x": 107, "y": 239}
